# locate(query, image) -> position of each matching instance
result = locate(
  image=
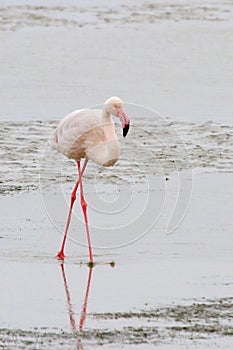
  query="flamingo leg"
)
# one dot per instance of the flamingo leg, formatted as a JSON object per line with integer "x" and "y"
{"x": 61, "y": 254}
{"x": 84, "y": 208}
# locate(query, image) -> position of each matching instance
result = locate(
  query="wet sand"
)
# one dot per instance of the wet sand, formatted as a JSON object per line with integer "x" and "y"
{"x": 160, "y": 146}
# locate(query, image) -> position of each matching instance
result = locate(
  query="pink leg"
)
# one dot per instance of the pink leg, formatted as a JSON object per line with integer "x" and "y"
{"x": 60, "y": 254}
{"x": 84, "y": 208}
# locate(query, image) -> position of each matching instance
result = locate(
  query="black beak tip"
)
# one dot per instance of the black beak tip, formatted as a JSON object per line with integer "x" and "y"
{"x": 125, "y": 130}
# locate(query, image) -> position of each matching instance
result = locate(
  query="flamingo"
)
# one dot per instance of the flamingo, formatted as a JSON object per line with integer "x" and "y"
{"x": 89, "y": 134}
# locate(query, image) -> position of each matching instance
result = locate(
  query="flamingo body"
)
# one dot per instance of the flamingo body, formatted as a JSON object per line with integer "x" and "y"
{"x": 84, "y": 134}
{"x": 89, "y": 134}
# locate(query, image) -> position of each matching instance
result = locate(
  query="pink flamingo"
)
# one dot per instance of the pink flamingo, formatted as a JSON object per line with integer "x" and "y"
{"x": 89, "y": 134}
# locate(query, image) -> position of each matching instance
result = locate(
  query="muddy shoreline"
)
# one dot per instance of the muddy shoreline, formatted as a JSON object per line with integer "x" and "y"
{"x": 194, "y": 323}
{"x": 166, "y": 147}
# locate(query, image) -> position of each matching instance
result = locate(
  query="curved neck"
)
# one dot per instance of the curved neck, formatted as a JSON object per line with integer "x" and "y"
{"x": 107, "y": 151}
{"x": 106, "y": 116}
{"x": 108, "y": 125}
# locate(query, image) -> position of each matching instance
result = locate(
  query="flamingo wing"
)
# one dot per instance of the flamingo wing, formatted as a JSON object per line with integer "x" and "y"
{"x": 78, "y": 132}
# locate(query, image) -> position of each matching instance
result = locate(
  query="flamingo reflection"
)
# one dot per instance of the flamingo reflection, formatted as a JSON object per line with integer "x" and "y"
{"x": 84, "y": 308}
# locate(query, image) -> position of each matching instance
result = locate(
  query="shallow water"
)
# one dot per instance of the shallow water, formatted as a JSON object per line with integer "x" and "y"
{"x": 164, "y": 290}
{"x": 172, "y": 56}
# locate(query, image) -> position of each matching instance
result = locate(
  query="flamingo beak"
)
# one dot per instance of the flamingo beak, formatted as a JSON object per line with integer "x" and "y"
{"x": 125, "y": 130}
{"x": 125, "y": 122}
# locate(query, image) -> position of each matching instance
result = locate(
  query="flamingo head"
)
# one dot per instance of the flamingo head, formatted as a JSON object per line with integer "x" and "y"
{"x": 114, "y": 106}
